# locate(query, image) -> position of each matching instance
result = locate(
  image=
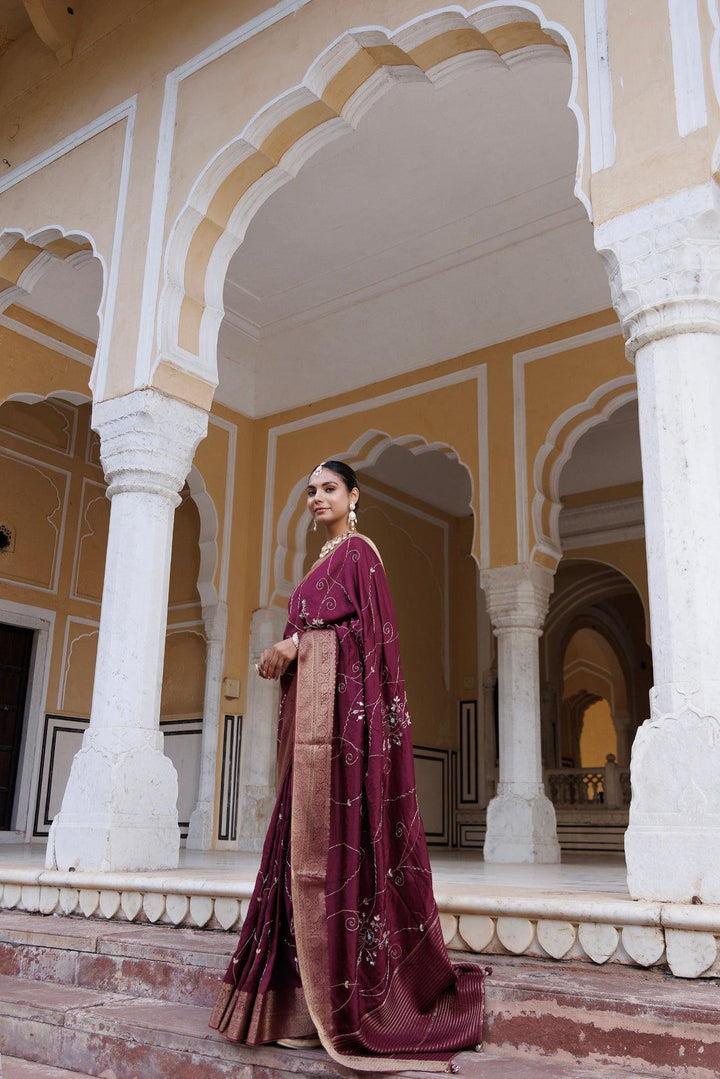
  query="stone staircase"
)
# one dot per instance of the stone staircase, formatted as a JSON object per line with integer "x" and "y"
{"x": 123, "y": 1001}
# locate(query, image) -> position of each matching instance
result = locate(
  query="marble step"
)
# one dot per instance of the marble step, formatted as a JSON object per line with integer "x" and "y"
{"x": 88, "y": 1032}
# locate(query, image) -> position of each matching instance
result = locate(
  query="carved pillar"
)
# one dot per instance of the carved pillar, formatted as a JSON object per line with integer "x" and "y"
{"x": 200, "y": 832}
{"x": 119, "y": 811}
{"x": 521, "y": 819}
{"x": 258, "y": 761}
{"x": 664, "y": 267}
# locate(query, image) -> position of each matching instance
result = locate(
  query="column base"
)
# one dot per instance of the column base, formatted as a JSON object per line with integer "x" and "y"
{"x": 521, "y": 828}
{"x": 673, "y": 863}
{"x": 200, "y": 832}
{"x": 673, "y": 837}
{"x": 119, "y": 811}
{"x": 257, "y": 806}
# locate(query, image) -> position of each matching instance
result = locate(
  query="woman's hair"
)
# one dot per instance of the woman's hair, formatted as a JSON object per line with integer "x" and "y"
{"x": 346, "y": 474}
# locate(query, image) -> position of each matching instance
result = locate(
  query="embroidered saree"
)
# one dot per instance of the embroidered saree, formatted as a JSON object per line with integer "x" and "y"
{"x": 342, "y": 934}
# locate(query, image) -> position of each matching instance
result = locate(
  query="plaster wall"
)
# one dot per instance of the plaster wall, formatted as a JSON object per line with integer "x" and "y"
{"x": 106, "y": 183}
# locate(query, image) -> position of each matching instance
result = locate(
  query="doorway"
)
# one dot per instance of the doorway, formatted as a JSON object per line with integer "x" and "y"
{"x": 15, "y": 655}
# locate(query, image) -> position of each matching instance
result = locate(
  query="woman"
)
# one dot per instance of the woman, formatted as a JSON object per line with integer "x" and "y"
{"x": 342, "y": 938}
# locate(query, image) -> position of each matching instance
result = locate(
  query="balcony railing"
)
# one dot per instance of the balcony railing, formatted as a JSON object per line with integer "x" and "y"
{"x": 589, "y": 787}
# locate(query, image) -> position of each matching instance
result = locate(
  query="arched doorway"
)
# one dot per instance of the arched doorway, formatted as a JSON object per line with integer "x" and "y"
{"x": 346, "y": 279}
{"x": 416, "y": 506}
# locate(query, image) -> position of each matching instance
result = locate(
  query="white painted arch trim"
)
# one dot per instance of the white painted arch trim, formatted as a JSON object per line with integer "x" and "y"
{"x": 520, "y": 361}
{"x": 272, "y": 555}
{"x": 600, "y": 99}
{"x": 365, "y": 450}
{"x": 687, "y": 59}
{"x": 126, "y": 112}
{"x": 163, "y": 298}
{"x": 552, "y": 543}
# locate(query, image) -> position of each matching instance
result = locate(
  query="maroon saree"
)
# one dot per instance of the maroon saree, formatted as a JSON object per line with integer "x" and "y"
{"x": 342, "y": 934}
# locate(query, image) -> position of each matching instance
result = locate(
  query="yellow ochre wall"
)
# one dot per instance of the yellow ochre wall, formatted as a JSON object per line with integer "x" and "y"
{"x": 123, "y": 53}
{"x": 232, "y": 467}
{"x": 52, "y": 494}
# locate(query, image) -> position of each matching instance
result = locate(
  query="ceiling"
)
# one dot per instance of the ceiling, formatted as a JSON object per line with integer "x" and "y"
{"x": 14, "y": 22}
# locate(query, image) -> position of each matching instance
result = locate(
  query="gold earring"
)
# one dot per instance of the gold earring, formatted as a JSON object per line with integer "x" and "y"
{"x": 352, "y": 517}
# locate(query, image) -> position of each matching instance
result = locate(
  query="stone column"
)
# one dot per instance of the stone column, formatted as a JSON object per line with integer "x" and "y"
{"x": 258, "y": 760}
{"x": 200, "y": 832}
{"x": 521, "y": 819}
{"x": 119, "y": 811}
{"x": 663, "y": 262}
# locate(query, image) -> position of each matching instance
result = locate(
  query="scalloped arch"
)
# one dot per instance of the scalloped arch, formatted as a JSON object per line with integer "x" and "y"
{"x": 25, "y": 257}
{"x": 291, "y": 535}
{"x": 555, "y": 452}
{"x": 345, "y": 80}
{"x": 207, "y": 512}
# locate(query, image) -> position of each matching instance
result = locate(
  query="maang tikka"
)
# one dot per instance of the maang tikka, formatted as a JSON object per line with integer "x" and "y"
{"x": 316, "y": 472}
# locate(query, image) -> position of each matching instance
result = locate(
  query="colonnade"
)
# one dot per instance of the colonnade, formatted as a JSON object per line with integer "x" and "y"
{"x": 118, "y": 812}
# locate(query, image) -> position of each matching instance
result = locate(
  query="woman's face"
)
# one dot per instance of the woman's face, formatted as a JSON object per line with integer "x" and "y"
{"x": 328, "y": 499}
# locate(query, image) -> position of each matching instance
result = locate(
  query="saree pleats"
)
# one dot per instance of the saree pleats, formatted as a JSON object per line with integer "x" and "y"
{"x": 261, "y": 998}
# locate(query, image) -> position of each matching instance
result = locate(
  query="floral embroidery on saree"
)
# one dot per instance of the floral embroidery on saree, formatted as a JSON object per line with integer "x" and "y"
{"x": 345, "y": 879}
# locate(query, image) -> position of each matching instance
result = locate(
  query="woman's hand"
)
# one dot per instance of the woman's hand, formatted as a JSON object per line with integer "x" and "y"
{"x": 275, "y": 660}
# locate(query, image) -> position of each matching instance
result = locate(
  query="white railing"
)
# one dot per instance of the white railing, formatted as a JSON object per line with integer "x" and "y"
{"x": 589, "y": 787}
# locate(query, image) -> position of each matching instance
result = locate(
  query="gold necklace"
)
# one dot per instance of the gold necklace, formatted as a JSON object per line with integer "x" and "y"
{"x": 332, "y": 544}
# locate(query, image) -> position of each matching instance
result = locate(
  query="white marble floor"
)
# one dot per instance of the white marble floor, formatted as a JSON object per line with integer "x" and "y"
{"x": 461, "y": 871}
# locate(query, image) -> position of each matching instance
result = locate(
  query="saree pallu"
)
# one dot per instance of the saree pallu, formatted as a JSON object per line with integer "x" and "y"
{"x": 343, "y": 934}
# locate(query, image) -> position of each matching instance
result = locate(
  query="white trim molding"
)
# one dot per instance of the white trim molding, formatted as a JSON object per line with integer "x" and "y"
{"x": 125, "y": 111}
{"x": 270, "y": 550}
{"x": 520, "y": 360}
{"x": 687, "y": 59}
{"x": 43, "y": 622}
{"x": 161, "y": 184}
{"x": 600, "y": 99}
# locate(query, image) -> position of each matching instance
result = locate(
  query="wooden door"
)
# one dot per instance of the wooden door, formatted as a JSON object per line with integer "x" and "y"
{"x": 15, "y": 651}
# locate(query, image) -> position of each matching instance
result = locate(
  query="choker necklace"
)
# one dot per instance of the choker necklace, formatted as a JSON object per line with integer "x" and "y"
{"x": 332, "y": 544}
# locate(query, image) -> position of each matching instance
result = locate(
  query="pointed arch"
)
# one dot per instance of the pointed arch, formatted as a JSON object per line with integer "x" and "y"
{"x": 26, "y": 256}
{"x": 554, "y": 454}
{"x": 345, "y": 80}
{"x": 290, "y": 547}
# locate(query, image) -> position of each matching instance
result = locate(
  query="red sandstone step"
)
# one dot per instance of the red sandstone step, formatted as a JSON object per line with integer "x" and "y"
{"x": 577, "y": 1013}
{"x": 620, "y": 1015}
{"x": 134, "y": 1038}
{"x": 173, "y": 964}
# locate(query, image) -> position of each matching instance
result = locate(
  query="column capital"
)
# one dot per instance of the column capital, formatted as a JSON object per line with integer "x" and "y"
{"x": 147, "y": 441}
{"x": 517, "y": 596}
{"x": 663, "y": 263}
